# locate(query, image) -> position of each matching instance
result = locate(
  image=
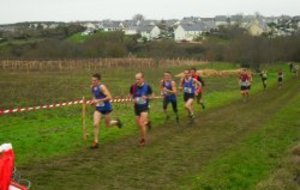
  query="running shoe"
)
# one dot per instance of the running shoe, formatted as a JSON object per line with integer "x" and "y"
{"x": 119, "y": 124}
{"x": 142, "y": 142}
{"x": 94, "y": 145}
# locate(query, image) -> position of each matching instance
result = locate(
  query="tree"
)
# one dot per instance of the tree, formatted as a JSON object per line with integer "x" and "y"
{"x": 138, "y": 17}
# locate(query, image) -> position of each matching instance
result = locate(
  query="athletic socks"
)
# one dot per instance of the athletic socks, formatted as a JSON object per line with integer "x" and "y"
{"x": 116, "y": 122}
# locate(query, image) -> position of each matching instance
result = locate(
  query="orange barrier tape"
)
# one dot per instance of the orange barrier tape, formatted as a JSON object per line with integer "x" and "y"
{"x": 52, "y": 106}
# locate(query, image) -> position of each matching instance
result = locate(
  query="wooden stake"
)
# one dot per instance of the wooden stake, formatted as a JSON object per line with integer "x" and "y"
{"x": 83, "y": 118}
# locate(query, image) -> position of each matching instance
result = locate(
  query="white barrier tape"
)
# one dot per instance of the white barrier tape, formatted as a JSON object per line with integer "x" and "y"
{"x": 116, "y": 100}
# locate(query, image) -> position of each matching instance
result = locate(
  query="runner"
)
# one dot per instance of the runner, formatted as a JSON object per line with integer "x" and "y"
{"x": 189, "y": 86}
{"x": 249, "y": 73}
{"x": 141, "y": 92}
{"x": 291, "y": 66}
{"x": 264, "y": 77}
{"x": 169, "y": 92}
{"x": 244, "y": 83}
{"x": 280, "y": 78}
{"x": 101, "y": 100}
{"x": 297, "y": 70}
{"x": 199, "y": 90}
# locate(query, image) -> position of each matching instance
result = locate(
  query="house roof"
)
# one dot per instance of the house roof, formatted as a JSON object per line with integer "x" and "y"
{"x": 132, "y": 28}
{"x": 249, "y": 18}
{"x": 129, "y": 23}
{"x": 207, "y": 19}
{"x": 209, "y": 25}
{"x": 146, "y": 28}
{"x": 296, "y": 18}
{"x": 193, "y": 27}
{"x": 236, "y": 18}
{"x": 221, "y": 18}
{"x": 111, "y": 24}
{"x": 191, "y": 19}
{"x": 147, "y": 22}
{"x": 270, "y": 19}
{"x": 171, "y": 22}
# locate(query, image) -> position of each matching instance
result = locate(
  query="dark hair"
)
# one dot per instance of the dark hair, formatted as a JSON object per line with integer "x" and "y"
{"x": 168, "y": 72}
{"x": 193, "y": 69}
{"x": 97, "y": 75}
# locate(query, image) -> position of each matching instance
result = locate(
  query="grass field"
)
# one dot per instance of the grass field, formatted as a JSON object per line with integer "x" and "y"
{"x": 226, "y": 149}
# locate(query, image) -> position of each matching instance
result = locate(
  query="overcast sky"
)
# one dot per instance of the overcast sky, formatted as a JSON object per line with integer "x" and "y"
{"x": 74, "y": 10}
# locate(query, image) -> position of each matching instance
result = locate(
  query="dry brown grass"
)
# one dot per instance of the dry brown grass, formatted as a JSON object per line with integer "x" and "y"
{"x": 91, "y": 64}
{"x": 215, "y": 73}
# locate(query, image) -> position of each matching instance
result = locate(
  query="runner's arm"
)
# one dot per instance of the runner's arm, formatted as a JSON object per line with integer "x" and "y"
{"x": 181, "y": 84}
{"x": 198, "y": 83}
{"x": 106, "y": 93}
{"x": 149, "y": 95}
{"x": 161, "y": 87}
{"x": 174, "y": 88}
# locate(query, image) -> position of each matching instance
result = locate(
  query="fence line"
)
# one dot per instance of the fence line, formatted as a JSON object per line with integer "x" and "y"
{"x": 63, "y": 104}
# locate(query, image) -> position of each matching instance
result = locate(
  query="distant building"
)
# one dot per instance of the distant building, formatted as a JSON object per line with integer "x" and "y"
{"x": 221, "y": 20}
{"x": 110, "y": 26}
{"x": 257, "y": 27}
{"x": 130, "y": 30}
{"x": 188, "y": 32}
{"x": 149, "y": 32}
{"x": 236, "y": 19}
{"x": 90, "y": 26}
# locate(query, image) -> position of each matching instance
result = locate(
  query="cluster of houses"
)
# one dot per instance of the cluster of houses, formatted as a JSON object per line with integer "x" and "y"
{"x": 186, "y": 29}
{"x": 191, "y": 28}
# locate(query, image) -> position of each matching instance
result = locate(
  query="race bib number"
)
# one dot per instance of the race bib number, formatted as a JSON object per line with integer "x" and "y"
{"x": 100, "y": 104}
{"x": 187, "y": 90}
{"x": 140, "y": 100}
{"x": 244, "y": 83}
{"x": 167, "y": 93}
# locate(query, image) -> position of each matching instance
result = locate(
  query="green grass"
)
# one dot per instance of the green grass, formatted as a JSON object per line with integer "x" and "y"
{"x": 77, "y": 38}
{"x": 286, "y": 175}
{"x": 255, "y": 157}
{"x": 52, "y": 133}
{"x": 221, "y": 152}
{"x": 19, "y": 41}
{"x": 178, "y": 154}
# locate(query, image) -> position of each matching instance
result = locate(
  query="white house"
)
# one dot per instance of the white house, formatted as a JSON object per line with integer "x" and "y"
{"x": 296, "y": 20}
{"x": 90, "y": 26}
{"x": 270, "y": 20}
{"x": 188, "y": 32}
{"x": 131, "y": 30}
{"x": 221, "y": 20}
{"x": 149, "y": 32}
{"x": 53, "y": 26}
{"x": 109, "y": 26}
{"x": 236, "y": 19}
{"x": 257, "y": 27}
